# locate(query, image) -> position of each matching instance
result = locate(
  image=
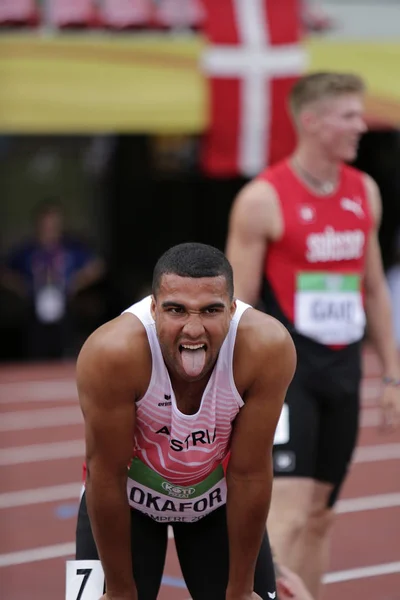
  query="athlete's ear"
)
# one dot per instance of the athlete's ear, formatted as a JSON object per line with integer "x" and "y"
{"x": 153, "y": 307}
{"x": 309, "y": 120}
{"x": 233, "y": 307}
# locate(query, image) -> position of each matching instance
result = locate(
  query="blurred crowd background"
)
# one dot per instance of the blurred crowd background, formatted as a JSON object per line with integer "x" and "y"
{"x": 112, "y": 143}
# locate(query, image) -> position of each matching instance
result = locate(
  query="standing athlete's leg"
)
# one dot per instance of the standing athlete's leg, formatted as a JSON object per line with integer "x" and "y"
{"x": 311, "y": 557}
{"x": 337, "y": 432}
{"x": 148, "y": 543}
{"x": 337, "y": 440}
{"x": 294, "y": 459}
{"x": 203, "y": 553}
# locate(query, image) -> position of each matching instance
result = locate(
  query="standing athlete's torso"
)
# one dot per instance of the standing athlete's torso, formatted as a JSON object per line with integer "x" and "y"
{"x": 314, "y": 271}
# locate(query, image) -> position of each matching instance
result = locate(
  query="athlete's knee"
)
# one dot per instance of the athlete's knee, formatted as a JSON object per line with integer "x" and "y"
{"x": 320, "y": 521}
{"x": 289, "y": 523}
{"x": 290, "y": 507}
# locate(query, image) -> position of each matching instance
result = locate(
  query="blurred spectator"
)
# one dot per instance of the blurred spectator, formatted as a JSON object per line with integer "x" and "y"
{"x": 50, "y": 270}
{"x": 73, "y": 14}
{"x": 18, "y": 13}
{"x": 124, "y": 14}
{"x": 179, "y": 14}
{"x": 314, "y": 18}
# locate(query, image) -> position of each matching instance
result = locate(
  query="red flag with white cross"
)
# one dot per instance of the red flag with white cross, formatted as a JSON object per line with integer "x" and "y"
{"x": 253, "y": 58}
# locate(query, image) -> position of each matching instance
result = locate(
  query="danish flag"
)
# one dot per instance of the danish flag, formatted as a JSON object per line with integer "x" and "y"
{"x": 252, "y": 60}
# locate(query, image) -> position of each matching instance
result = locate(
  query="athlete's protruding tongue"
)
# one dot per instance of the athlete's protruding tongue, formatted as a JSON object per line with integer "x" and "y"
{"x": 193, "y": 360}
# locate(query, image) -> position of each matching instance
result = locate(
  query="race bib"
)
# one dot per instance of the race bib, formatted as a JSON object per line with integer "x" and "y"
{"x": 84, "y": 580}
{"x": 49, "y": 304}
{"x": 329, "y": 307}
{"x": 164, "y": 501}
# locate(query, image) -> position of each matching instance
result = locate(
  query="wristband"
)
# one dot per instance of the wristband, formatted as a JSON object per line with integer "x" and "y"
{"x": 391, "y": 381}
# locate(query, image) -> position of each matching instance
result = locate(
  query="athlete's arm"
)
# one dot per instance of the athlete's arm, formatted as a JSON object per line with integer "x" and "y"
{"x": 271, "y": 358}
{"x": 107, "y": 397}
{"x": 252, "y": 222}
{"x": 378, "y": 305}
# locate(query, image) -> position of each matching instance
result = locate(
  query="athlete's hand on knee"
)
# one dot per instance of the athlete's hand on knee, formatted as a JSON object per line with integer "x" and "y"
{"x": 390, "y": 404}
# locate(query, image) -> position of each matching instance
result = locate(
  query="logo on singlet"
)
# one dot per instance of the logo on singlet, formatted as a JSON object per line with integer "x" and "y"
{"x": 201, "y": 436}
{"x": 168, "y": 402}
{"x": 306, "y": 213}
{"x": 353, "y": 206}
{"x": 332, "y": 245}
{"x": 177, "y": 492}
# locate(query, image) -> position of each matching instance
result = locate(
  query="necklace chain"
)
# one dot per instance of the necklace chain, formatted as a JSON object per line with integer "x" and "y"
{"x": 324, "y": 187}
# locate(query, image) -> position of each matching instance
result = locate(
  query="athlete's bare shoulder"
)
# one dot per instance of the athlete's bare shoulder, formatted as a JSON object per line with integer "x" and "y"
{"x": 257, "y": 206}
{"x": 264, "y": 348}
{"x": 118, "y": 350}
{"x": 257, "y": 191}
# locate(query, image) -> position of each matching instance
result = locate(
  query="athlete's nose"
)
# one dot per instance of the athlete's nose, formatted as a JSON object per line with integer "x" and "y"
{"x": 193, "y": 327}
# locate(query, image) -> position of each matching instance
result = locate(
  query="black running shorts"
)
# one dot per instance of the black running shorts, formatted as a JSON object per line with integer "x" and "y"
{"x": 321, "y": 414}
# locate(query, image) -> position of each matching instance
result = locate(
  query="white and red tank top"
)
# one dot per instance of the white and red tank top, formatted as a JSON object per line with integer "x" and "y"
{"x": 176, "y": 472}
{"x": 315, "y": 270}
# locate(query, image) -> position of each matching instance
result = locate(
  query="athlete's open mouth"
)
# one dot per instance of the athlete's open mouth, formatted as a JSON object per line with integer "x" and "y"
{"x": 193, "y": 358}
{"x": 192, "y": 347}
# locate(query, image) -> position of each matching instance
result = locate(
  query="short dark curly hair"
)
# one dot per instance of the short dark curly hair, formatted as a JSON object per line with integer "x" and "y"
{"x": 195, "y": 260}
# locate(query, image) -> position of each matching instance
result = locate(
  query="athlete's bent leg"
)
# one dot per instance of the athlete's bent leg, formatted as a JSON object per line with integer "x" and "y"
{"x": 148, "y": 545}
{"x": 203, "y": 553}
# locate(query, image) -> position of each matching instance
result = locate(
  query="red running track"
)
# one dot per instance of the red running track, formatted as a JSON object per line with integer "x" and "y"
{"x": 41, "y": 449}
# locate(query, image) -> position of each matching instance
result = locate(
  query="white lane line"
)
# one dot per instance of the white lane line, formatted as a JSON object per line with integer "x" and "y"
{"x": 40, "y": 495}
{"x": 41, "y": 452}
{"x": 26, "y": 420}
{"x": 352, "y": 505}
{"x": 76, "y": 448}
{"x": 15, "y": 392}
{"x": 37, "y": 554}
{"x": 367, "y": 454}
{"x": 68, "y": 550}
{"x": 37, "y": 391}
{"x": 40, "y": 419}
{"x": 362, "y": 572}
{"x": 72, "y": 490}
